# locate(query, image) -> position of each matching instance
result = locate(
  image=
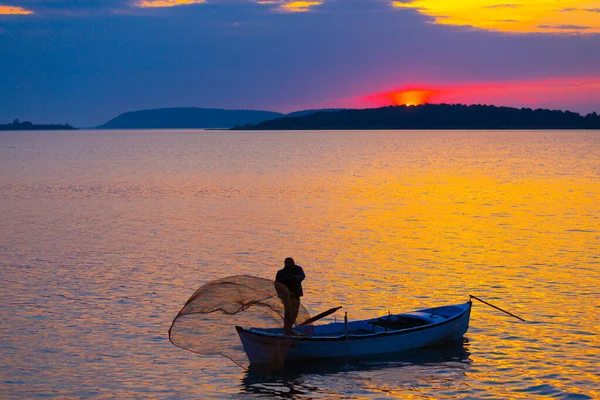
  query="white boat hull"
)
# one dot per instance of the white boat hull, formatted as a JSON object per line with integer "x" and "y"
{"x": 441, "y": 324}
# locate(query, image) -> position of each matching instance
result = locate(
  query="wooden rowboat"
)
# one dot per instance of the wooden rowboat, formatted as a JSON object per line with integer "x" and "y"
{"x": 376, "y": 336}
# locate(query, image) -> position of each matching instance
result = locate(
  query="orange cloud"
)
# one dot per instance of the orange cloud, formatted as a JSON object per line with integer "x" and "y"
{"x": 166, "y": 3}
{"x": 13, "y": 10}
{"x": 519, "y": 16}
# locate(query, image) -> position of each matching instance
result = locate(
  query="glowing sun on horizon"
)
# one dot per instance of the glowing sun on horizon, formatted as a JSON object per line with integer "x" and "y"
{"x": 408, "y": 97}
{"x": 411, "y": 97}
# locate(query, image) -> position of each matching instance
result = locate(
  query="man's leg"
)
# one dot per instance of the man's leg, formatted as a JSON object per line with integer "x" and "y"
{"x": 287, "y": 316}
{"x": 294, "y": 308}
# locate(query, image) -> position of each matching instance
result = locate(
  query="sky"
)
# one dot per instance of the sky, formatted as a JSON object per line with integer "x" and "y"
{"x": 84, "y": 62}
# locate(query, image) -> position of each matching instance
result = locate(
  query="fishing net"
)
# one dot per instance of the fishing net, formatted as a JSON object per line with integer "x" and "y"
{"x": 206, "y": 324}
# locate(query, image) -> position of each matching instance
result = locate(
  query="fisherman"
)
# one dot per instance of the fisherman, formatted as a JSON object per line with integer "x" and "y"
{"x": 291, "y": 276}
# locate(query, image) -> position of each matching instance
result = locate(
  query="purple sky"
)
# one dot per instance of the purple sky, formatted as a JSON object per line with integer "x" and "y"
{"x": 84, "y": 62}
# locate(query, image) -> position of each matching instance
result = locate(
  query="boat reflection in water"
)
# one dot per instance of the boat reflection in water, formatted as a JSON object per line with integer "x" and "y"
{"x": 443, "y": 366}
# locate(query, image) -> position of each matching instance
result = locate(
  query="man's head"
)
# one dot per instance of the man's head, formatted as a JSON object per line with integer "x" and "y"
{"x": 289, "y": 262}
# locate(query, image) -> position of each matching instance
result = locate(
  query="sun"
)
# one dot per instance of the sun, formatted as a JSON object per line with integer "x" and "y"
{"x": 414, "y": 97}
{"x": 406, "y": 97}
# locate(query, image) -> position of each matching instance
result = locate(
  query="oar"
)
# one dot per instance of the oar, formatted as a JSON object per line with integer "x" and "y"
{"x": 319, "y": 316}
{"x": 497, "y": 308}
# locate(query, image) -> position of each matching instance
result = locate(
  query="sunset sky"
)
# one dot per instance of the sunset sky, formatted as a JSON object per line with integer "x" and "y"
{"x": 85, "y": 61}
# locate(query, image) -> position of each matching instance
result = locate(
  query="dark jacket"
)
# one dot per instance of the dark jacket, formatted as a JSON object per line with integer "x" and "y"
{"x": 292, "y": 277}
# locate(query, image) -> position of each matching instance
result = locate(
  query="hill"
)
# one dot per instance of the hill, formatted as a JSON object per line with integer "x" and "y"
{"x": 17, "y": 125}
{"x": 187, "y": 118}
{"x": 308, "y": 112}
{"x": 196, "y": 118}
{"x": 434, "y": 116}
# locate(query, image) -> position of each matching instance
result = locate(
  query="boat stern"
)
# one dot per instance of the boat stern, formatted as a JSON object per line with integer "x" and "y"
{"x": 265, "y": 349}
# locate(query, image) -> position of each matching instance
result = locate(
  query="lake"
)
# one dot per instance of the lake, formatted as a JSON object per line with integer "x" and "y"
{"x": 107, "y": 233}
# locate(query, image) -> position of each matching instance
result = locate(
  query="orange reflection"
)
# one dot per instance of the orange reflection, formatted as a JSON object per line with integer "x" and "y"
{"x": 380, "y": 221}
{"x": 13, "y": 10}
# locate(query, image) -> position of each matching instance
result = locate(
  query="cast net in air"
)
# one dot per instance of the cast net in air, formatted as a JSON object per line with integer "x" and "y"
{"x": 206, "y": 323}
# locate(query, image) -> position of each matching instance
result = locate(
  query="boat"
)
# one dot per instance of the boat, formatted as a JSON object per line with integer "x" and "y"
{"x": 357, "y": 339}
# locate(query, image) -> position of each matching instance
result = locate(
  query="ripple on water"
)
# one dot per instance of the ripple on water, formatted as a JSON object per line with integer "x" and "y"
{"x": 106, "y": 234}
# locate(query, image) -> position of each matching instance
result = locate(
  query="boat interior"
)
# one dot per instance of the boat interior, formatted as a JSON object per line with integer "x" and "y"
{"x": 374, "y": 325}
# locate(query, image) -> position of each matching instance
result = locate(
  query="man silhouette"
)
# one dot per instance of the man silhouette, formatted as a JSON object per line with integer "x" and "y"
{"x": 291, "y": 276}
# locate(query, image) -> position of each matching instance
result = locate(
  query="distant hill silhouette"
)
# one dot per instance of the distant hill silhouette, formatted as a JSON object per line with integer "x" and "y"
{"x": 434, "y": 116}
{"x": 187, "y": 118}
{"x": 308, "y": 112}
{"x": 195, "y": 118}
{"x": 17, "y": 125}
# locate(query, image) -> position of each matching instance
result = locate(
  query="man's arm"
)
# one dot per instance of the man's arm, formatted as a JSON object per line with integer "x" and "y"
{"x": 296, "y": 276}
{"x": 284, "y": 277}
{"x": 300, "y": 274}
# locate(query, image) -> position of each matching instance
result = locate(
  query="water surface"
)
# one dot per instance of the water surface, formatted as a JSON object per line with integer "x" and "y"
{"x": 107, "y": 233}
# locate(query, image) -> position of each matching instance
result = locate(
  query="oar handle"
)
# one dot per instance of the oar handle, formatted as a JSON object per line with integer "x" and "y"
{"x": 319, "y": 316}
{"x": 497, "y": 308}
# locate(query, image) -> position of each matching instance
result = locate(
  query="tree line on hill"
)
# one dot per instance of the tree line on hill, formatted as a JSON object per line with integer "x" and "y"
{"x": 428, "y": 116}
{"x": 434, "y": 116}
{"x": 17, "y": 125}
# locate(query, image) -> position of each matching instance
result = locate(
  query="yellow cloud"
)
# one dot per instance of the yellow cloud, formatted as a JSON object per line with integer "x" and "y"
{"x": 13, "y": 10}
{"x": 166, "y": 3}
{"x": 291, "y": 6}
{"x": 520, "y": 16}
{"x": 300, "y": 6}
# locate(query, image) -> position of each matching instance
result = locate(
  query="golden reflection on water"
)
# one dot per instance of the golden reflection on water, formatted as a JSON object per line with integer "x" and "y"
{"x": 108, "y": 234}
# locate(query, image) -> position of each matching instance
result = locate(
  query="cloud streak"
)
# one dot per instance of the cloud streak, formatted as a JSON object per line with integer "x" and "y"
{"x": 77, "y": 8}
{"x": 14, "y": 10}
{"x": 520, "y": 16}
{"x": 290, "y": 6}
{"x": 299, "y": 6}
{"x": 513, "y": 16}
{"x": 166, "y": 3}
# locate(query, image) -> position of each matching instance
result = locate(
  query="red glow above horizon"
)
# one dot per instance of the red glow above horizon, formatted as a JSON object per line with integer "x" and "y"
{"x": 536, "y": 93}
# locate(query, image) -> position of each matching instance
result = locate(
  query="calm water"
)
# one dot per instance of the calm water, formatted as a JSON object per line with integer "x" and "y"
{"x": 106, "y": 234}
